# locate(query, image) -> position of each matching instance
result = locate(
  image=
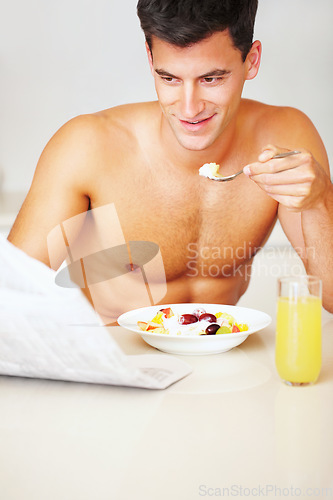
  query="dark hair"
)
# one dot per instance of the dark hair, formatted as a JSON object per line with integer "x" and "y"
{"x": 185, "y": 22}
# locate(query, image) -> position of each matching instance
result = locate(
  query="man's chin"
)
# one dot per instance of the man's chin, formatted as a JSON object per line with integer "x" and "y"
{"x": 195, "y": 143}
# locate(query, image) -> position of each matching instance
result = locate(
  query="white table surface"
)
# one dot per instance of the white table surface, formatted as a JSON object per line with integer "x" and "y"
{"x": 231, "y": 424}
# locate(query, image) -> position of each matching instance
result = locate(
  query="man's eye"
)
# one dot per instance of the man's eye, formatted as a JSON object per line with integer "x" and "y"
{"x": 212, "y": 79}
{"x": 168, "y": 79}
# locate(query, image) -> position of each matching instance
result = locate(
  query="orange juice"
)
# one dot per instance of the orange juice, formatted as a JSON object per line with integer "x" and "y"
{"x": 298, "y": 339}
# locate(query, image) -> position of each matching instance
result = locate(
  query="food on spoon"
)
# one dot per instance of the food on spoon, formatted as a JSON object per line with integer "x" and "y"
{"x": 210, "y": 170}
{"x": 199, "y": 322}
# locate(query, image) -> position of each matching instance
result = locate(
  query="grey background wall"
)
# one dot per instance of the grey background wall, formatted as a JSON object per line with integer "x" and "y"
{"x": 60, "y": 59}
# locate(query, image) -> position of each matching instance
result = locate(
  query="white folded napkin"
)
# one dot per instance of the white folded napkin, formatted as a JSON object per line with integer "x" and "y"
{"x": 47, "y": 331}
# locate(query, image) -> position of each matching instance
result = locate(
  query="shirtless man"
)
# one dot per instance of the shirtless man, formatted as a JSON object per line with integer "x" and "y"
{"x": 145, "y": 157}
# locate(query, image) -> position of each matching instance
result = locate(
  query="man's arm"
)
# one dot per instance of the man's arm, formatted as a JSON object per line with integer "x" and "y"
{"x": 60, "y": 187}
{"x": 301, "y": 185}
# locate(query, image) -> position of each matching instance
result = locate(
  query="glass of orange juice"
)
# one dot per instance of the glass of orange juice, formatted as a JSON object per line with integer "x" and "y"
{"x": 298, "y": 329}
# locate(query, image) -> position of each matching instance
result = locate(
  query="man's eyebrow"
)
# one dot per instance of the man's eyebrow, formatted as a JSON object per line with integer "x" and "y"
{"x": 213, "y": 73}
{"x": 163, "y": 72}
{"x": 216, "y": 72}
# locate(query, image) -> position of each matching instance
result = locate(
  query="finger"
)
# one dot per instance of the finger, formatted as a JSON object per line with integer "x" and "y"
{"x": 276, "y": 165}
{"x": 269, "y": 151}
{"x": 293, "y": 175}
{"x": 294, "y": 190}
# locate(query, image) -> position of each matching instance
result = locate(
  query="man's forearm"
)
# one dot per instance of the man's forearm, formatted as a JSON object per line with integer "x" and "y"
{"x": 317, "y": 226}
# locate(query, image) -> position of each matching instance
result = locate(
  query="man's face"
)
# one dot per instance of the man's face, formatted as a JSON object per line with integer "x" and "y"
{"x": 199, "y": 87}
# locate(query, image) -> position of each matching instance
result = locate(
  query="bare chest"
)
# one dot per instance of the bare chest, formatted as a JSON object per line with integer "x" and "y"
{"x": 197, "y": 224}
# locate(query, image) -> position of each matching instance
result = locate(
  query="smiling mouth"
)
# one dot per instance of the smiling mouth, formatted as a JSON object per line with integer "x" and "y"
{"x": 196, "y": 121}
{"x": 195, "y": 125}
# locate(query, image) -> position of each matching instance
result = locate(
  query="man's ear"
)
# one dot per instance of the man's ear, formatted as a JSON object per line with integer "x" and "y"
{"x": 252, "y": 60}
{"x": 150, "y": 58}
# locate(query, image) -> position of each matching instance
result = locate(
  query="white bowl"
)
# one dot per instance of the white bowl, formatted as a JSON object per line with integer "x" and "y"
{"x": 195, "y": 344}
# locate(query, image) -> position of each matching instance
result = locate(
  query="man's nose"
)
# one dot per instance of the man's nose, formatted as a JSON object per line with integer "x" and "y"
{"x": 191, "y": 102}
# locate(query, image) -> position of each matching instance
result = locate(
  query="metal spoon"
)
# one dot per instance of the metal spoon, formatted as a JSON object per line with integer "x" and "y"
{"x": 231, "y": 177}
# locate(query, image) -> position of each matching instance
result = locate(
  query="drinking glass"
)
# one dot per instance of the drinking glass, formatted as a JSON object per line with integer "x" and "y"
{"x": 298, "y": 329}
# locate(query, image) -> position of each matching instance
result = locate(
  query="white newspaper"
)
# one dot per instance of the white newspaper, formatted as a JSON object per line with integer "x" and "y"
{"x": 51, "y": 332}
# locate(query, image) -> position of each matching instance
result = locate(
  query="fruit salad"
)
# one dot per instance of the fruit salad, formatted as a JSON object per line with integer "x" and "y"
{"x": 199, "y": 322}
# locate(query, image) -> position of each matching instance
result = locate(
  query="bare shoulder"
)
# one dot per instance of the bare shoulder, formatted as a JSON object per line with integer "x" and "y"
{"x": 128, "y": 121}
{"x": 69, "y": 151}
{"x": 275, "y": 118}
{"x": 66, "y": 174}
{"x": 286, "y": 127}
{"x": 86, "y": 142}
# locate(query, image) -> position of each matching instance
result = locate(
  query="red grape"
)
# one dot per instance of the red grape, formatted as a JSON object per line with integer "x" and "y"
{"x": 187, "y": 319}
{"x": 212, "y": 329}
{"x": 207, "y": 317}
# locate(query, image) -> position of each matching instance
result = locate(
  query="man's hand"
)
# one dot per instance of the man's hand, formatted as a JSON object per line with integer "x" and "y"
{"x": 298, "y": 182}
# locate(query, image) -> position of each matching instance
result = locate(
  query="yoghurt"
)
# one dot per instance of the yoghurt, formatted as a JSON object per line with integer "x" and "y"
{"x": 174, "y": 328}
{"x": 210, "y": 170}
